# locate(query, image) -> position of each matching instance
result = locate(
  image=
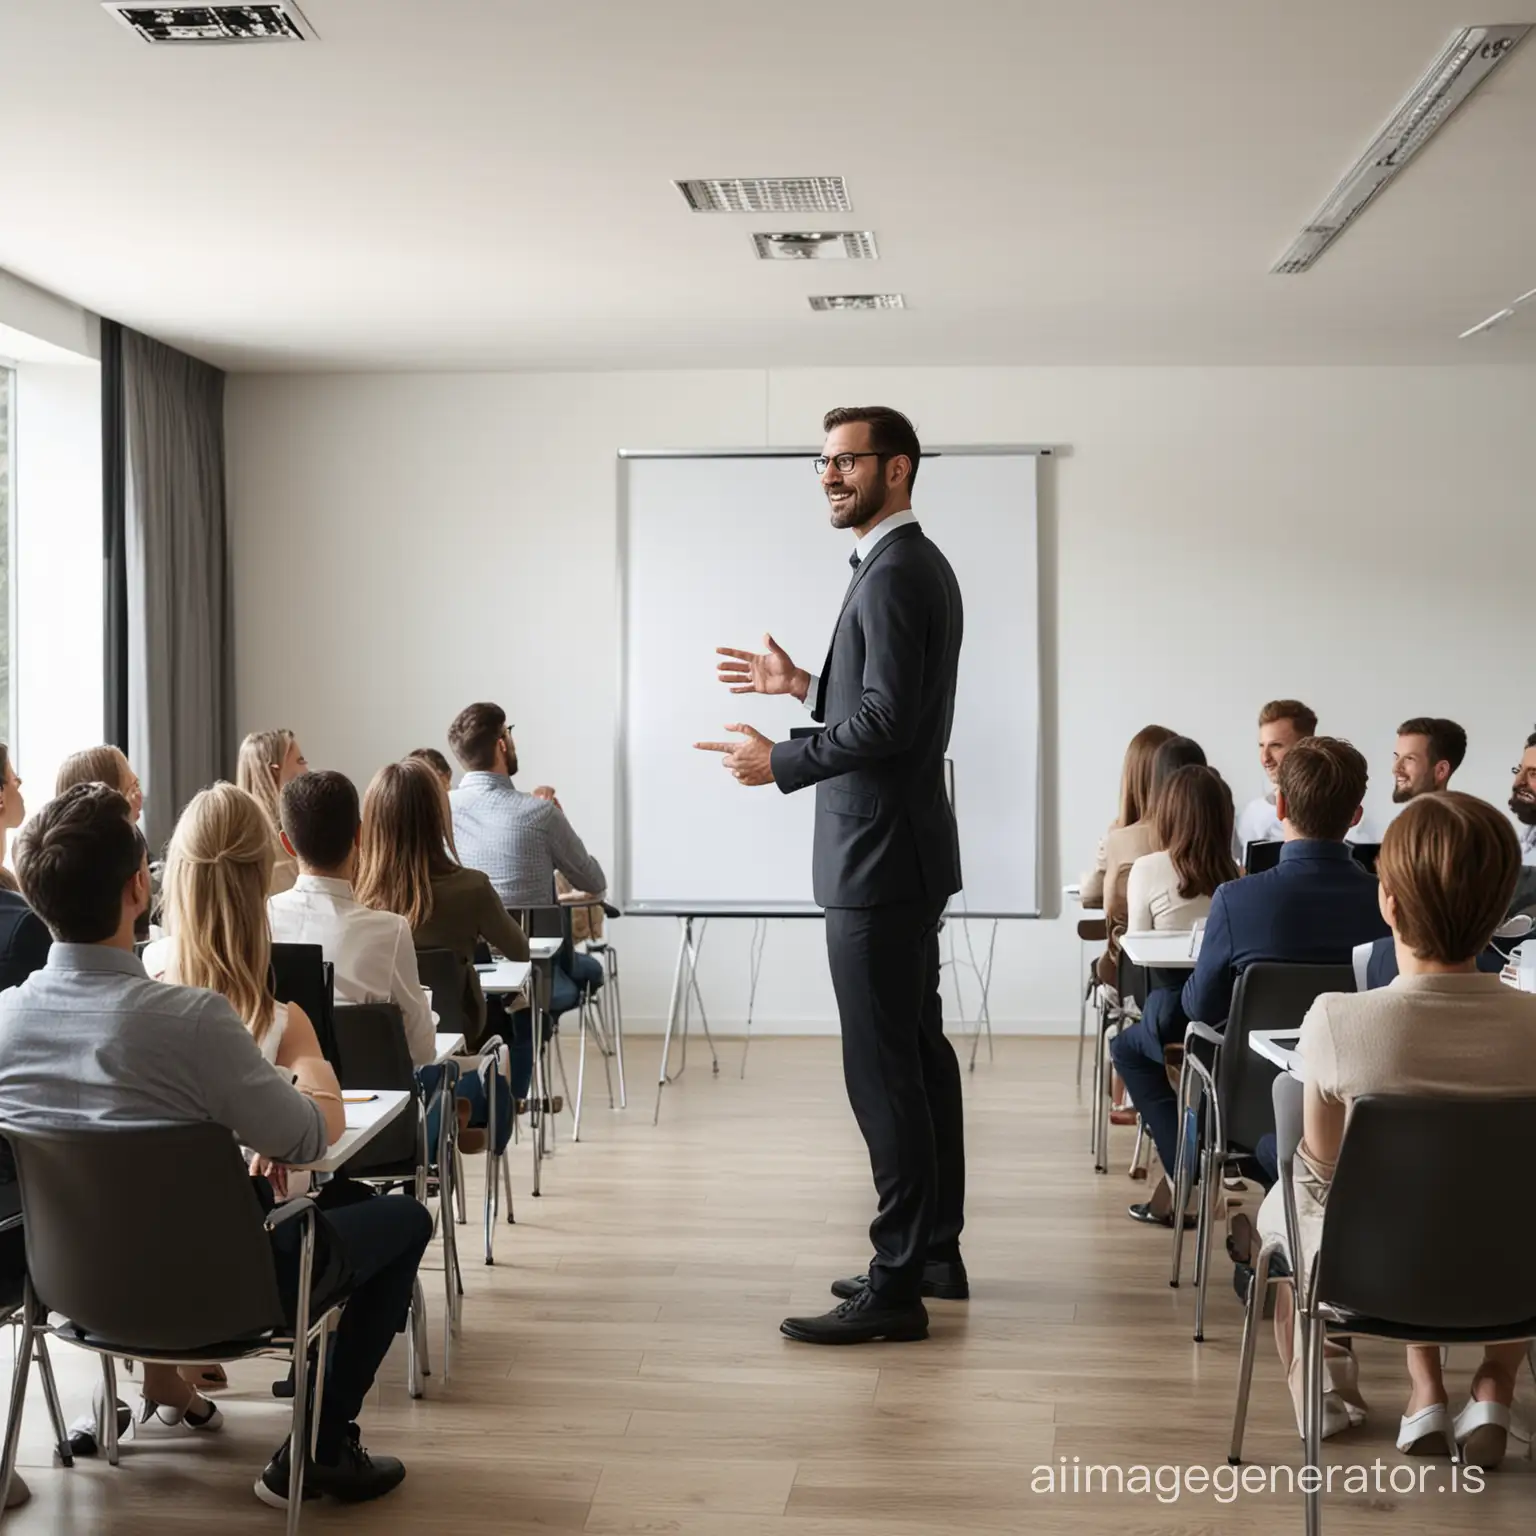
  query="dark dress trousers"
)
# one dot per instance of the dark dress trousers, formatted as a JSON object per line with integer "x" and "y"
{"x": 885, "y": 862}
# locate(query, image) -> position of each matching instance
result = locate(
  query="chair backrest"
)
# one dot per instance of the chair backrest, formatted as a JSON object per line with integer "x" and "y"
{"x": 1360, "y": 963}
{"x": 1365, "y": 855}
{"x": 112, "y": 1220}
{"x": 1258, "y": 857}
{"x": 1268, "y": 995}
{"x": 448, "y": 979}
{"x": 1424, "y": 1214}
{"x": 374, "y": 1054}
{"x": 301, "y": 974}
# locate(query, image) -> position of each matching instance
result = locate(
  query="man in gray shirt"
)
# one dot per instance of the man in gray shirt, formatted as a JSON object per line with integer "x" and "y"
{"x": 518, "y": 840}
{"x": 90, "y": 1042}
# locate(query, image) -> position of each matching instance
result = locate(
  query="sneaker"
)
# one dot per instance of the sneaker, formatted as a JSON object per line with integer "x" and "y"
{"x": 353, "y": 1478}
{"x": 272, "y": 1485}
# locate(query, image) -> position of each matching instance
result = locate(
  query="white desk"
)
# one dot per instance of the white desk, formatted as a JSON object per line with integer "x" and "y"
{"x": 364, "y": 1122}
{"x": 544, "y": 949}
{"x": 507, "y": 975}
{"x": 449, "y": 1045}
{"x": 1159, "y": 951}
{"x": 1267, "y": 1043}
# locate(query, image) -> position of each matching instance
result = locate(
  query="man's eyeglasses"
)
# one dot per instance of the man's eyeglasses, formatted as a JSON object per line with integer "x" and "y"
{"x": 844, "y": 461}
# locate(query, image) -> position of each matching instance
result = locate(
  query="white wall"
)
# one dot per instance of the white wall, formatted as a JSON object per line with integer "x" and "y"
{"x": 58, "y": 669}
{"x": 1213, "y": 538}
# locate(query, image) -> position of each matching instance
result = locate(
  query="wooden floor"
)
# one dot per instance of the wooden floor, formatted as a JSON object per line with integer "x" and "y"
{"x": 621, "y": 1371}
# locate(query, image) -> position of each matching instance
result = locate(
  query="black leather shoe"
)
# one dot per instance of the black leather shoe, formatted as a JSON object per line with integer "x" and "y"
{"x": 354, "y": 1477}
{"x": 943, "y": 1281}
{"x": 1144, "y": 1212}
{"x": 862, "y": 1319}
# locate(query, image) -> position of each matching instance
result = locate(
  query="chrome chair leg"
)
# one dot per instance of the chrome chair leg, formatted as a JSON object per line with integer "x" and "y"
{"x": 584, "y": 1008}
{"x": 1253, "y": 1310}
{"x": 106, "y": 1429}
{"x": 1210, "y": 1177}
{"x": 1182, "y": 1173}
{"x": 1314, "y": 1423}
{"x": 618, "y": 1021}
{"x": 322, "y": 1360}
{"x": 51, "y": 1396}
{"x": 19, "y": 1398}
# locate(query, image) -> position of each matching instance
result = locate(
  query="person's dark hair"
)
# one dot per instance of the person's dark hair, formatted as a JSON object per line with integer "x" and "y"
{"x": 1175, "y": 753}
{"x": 1194, "y": 823}
{"x": 74, "y": 858}
{"x": 891, "y": 434}
{"x": 1323, "y": 779}
{"x": 1304, "y": 719}
{"x": 1136, "y": 773}
{"x": 433, "y": 759}
{"x": 405, "y": 834}
{"x": 474, "y": 734}
{"x": 1530, "y": 741}
{"x": 1447, "y": 740}
{"x": 1449, "y": 862}
{"x": 321, "y": 817}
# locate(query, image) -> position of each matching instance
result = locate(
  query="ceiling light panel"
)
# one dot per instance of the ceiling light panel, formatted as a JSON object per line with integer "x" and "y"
{"x": 279, "y": 22}
{"x": 1470, "y": 57}
{"x": 849, "y": 245}
{"x": 767, "y": 194}
{"x": 1499, "y": 318}
{"x": 826, "y": 302}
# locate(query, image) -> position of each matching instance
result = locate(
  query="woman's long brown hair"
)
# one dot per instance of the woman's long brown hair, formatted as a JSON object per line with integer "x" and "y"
{"x": 403, "y": 842}
{"x": 1194, "y": 823}
{"x": 1136, "y": 776}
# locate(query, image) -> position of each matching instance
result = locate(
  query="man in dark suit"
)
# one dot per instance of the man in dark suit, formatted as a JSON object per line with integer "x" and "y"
{"x": 885, "y": 862}
{"x": 1312, "y": 908}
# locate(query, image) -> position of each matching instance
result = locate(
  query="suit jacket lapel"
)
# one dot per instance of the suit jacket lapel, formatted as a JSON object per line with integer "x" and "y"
{"x": 911, "y": 530}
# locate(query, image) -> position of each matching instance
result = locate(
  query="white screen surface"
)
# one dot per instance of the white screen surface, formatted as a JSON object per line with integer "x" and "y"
{"x": 721, "y": 550}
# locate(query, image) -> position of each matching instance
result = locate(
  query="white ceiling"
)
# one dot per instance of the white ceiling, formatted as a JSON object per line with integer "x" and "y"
{"x": 487, "y": 183}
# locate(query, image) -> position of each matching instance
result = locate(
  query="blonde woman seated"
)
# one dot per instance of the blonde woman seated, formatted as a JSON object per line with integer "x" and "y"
{"x": 102, "y": 765}
{"x": 267, "y": 761}
{"x": 1448, "y": 866}
{"x": 13, "y": 811}
{"x": 215, "y": 907}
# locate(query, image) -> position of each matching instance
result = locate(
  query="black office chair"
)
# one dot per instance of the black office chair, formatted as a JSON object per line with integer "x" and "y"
{"x": 374, "y": 1054}
{"x": 1415, "y": 1241}
{"x": 301, "y": 974}
{"x": 1236, "y": 1086}
{"x": 82, "y": 1195}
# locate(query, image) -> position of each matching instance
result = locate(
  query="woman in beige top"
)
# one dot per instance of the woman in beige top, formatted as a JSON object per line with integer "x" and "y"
{"x": 1448, "y": 867}
{"x": 267, "y": 761}
{"x": 1171, "y": 890}
{"x": 1130, "y": 834}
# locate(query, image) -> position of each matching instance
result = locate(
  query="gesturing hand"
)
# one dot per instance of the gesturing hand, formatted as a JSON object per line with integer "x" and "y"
{"x": 751, "y": 761}
{"x": 768, "y": 672}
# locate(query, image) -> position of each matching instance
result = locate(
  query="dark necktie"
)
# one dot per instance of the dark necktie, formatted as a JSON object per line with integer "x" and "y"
{"x": 853, "y": 561}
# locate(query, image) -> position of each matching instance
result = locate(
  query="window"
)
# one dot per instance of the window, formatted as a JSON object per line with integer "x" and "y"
{"x": 7, "y": 544}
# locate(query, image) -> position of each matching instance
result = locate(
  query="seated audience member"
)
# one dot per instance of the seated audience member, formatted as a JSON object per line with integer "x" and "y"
{"x": 1130, "y": 834}
{"x": 1172, "y": 888}
{"x": 519, "y": 840}
{"x": 102, "y": 765}
{"x": 90, "y": 1041}
{"x": 436, "y": 762}
{"x": 13, "y": 811}
{"x": 1312, "y": 908}
{"x": 1522, "y": 800}
{"x": 1447, "y": 869}
{"x": 371, "y": 951}
{"x": 1428, "y": 752}
{"x": 1282, "y": 723}
{"x": 404, "y": 867}
{"x": 268, "y": 761}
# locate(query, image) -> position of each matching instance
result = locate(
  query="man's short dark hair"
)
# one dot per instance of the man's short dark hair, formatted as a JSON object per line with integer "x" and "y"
{"x": 73, "y": 860}
{"x": 890, "y": 433}
{"x": 474, "y": 734}
{"x": 1323, "y": 780}
{"x": 433, "y": 759}
{"x": 321, "y": 817}
{"x": 1447, "y": 740}
{"x": 1303, "y": 718}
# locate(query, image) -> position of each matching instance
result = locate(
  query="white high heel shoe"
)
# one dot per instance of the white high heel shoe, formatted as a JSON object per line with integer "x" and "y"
{"x": 1427, "y": 1432}
{"x": 1482, "y": 1432}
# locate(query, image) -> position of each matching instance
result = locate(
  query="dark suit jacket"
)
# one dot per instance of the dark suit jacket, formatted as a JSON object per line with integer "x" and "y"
{"x": 1312, "y": 908}
{"x": 24, "y": 940}
{"x": 885, "y": 831}
{"x": 1381, "y": 968}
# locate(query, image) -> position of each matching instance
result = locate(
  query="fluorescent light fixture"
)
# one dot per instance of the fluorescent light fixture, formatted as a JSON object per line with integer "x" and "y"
{"x": 849, "y": 245}
{"x": 1471, "y": 56}
{"x": 1499, "y": 318}
{"x": 766, "y": 194}
{"x": 279, "y": 21}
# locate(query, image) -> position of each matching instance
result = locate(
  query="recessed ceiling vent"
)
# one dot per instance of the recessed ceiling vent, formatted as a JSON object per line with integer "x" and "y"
{"x": 824, "y": 302}
{"x": 278, "y": 22}
{"x": 767, "y": 194}
{"x": 850, "y": 245}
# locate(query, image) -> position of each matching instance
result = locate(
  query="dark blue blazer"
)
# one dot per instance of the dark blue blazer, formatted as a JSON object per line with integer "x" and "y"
{"x": 24, "y": 940}
{"x": 1312, "y": 908}
{"x": 1381, "y": 968}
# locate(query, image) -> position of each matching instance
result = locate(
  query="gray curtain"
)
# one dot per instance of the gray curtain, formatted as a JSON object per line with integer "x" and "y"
{"x": 180, "y": 660}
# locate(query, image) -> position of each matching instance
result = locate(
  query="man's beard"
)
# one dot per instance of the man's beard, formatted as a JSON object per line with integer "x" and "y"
{"x": 861, "y": 507}
{"x": 1403, "y": 793}
{"x": 1523, "y": 808}
{"x": 511, "y": 765}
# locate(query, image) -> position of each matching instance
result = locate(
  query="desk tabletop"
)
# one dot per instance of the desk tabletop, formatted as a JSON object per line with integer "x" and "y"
{"x": 544, "y": 949}
{"x": 449, "y": 1045}
{"x": 1159, "y": 951}
{"x": 506, "y": 975}
{"x": 1276, "y": 1045}
{"x": 364, "y": 1122}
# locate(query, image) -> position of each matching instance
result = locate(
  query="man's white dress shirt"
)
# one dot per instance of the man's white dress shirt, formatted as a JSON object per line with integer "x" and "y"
{"x": 1258, "y": 823}
{"x": 372, "y": 952}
